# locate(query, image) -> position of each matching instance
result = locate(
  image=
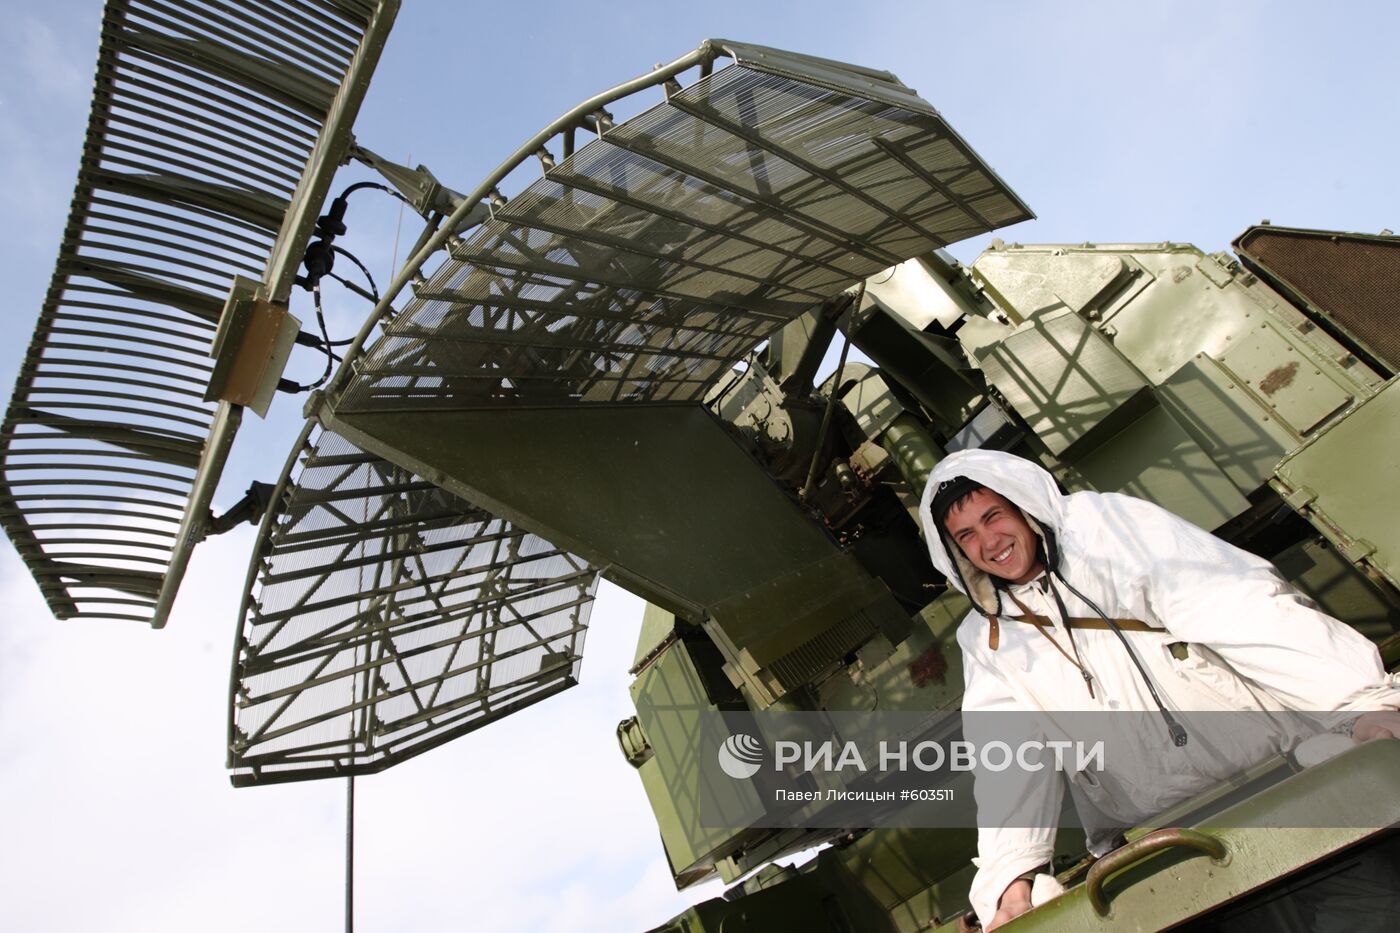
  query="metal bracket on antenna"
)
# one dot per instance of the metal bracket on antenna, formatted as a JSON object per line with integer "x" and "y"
{"x": 421, "y": 188}
{"x": 248, "y": 509}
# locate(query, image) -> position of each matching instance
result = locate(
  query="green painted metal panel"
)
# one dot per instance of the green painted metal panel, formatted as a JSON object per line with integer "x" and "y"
{"x": 657, "y": 497}
{"x": 1343, "y": 481}
{"x": 1066, "y": 380}
{"x": 1361, "y": 788}
{"x": 1154, "y": 459}
{"x": 1245, "y": 440}
{"x": 1284, "y": 379}
{"x": 1343, "y": 591}
{"x": 664, "y": 502}
{"x": 668, "y": 694}
{"x": 657, "y": 626}
{"x": 780, "y": 634}
{"x": 922, "y": 672}
{"x": 1034, "y": 283}
{"x": 929, "y": 366}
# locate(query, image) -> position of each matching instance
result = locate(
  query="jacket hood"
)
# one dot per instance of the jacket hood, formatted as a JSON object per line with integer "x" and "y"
{"x": 1025, "y": 484}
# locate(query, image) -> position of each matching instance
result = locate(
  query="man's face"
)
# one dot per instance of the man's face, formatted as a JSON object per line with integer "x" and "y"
{"x": 994, "y": 535}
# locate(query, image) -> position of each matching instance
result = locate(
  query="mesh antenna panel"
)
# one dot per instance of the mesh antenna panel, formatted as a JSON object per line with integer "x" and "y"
{"x": 384, "y": 614}
{"x": 391, "y": 616}
{"x": 213, "y": 133}
{"x": 642, "y": 266}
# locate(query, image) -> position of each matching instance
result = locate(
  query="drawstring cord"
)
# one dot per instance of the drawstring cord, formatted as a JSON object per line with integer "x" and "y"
{"x": 1069, "y": 633}
{"x": 1178, "y": 732}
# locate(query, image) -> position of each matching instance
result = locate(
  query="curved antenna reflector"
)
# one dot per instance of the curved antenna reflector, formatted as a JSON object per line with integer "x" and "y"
{"x": 388, "y": 617}
{"x": 639, "y": 268}
{"x": 206, "y": 158}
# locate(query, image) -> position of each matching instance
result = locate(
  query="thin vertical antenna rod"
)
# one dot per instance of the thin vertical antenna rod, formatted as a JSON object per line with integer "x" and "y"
{"x": 350, "y": 854}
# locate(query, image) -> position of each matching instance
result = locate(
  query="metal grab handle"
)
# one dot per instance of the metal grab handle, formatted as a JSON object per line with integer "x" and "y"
{"x": 1136, "y": 851}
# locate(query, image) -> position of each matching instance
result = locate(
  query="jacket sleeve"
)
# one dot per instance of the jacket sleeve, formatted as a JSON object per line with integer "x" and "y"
{"x": 1206, "y": 591}
{"x": 1017, "y": 810}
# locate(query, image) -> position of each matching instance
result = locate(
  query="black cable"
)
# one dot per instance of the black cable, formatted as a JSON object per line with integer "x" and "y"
{"x": 374, "y": 289}
{"x": 311, "y": 340}
{"x": 351, "y": 286}
{"x": 319, "y": 261}
{"x": 325, "y": 336}
{"x": 362, "y": 185}
{"x": 1178, "y": 732}
{"x": 306, "y": 338}
{"x": 320, "y": 253}
{"x": 287, "y": 385}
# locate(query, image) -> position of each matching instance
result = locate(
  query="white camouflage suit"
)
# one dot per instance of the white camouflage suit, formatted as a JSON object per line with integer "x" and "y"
{"x": 1255, "y": 644}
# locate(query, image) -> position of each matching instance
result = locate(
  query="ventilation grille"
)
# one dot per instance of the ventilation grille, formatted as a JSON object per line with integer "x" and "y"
{"x": 1351, "y": 279}
{"x": 800, "y": 665}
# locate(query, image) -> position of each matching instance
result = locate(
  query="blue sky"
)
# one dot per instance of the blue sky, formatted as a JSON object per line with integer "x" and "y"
{"x": 1114, "y": 122}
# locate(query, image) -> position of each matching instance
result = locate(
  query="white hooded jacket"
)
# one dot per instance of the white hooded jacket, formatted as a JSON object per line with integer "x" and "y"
{"x": 1255, "y": 644}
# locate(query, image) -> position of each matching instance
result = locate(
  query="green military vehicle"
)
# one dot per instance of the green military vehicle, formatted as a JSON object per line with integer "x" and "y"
{"x": 616, "y": 372}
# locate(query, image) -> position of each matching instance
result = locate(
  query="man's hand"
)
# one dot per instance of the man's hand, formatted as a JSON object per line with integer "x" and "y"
{"x": 1381, "y": 724}
{"x": 1015, "y": 900}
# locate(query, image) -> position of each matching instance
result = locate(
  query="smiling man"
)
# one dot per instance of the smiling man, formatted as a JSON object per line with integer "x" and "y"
{"x": 991, "y": 532}
{"x": 1103, "y": 602}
